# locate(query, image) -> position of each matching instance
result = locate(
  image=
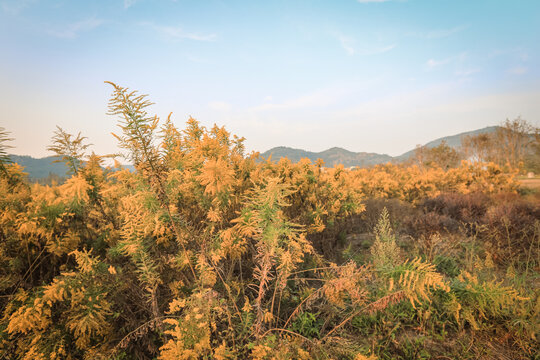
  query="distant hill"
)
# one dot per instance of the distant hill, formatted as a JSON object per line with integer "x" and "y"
{"x": 40, "y": 168}
{"x": 331, "y": 157}
{"x": 453, "y": 141}
{"x": 337, "y": 155}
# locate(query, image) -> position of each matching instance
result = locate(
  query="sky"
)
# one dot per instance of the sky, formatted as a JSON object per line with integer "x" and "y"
{"x": 366, "y": 75}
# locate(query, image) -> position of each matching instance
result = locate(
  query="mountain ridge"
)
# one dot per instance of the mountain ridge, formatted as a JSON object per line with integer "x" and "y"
{"x": 39, "y": 168}
{"x": 331, "y": 157}
{"x": 454, "y": 141}
{"x": 337, "y": 155}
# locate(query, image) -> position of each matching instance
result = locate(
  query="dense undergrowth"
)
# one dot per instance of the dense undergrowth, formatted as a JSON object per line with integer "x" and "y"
{"x": 206, "y": 252}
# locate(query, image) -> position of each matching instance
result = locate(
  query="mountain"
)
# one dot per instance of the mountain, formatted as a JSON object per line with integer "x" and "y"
{"x": 453, "y": 141}
{"x": 43, "y": 167}
{"x": 333, "y": 156}
{"x": 40, "y": 168}
{"x": 337, "y": 155}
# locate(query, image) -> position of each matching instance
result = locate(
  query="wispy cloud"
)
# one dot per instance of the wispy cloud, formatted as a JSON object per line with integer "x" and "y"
{"x": 517, "y": 54}
{"x": 315, "y": 99}
{"x": 221, "y": 106}
{"x": 177, "y": 33}
{"x": 523, "y": 56}
{"x": 323, "y": 98}
{"x": 441, "y": 33}
{"x": 198, "y": 59}
{"x": 466, "y": 72}
{"x": 433, "y": 63}
{"x": 371, "y": 1}
{"x": 349, "y": 45}
{"x": 73, "y": 30}
{"x": 518, "y": 70}
{"x": 378, "y": 50}
{"x": 14, "y": 7}
{"x": 129, "y": 3}
{"x": 346, "y": 43}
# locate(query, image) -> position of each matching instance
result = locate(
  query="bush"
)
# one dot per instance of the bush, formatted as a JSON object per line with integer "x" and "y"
{"x": 514, "y": 229}
{"x": 463, "y": 208}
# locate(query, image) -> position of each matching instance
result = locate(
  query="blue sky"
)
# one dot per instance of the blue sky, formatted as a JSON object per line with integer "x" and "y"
{"x": 366, "y": 75}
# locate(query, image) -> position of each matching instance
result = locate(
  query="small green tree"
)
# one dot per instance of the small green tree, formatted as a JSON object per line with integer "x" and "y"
{"x": 13, "y": 176}
{"x": 479, "y": 148}
{"x": 532, "y": 159}
{"x": 71, "y": 149}
{"x": 4, "y": 157}
{"x": 442, "y": 155}
{"x": 384, "y": 250}
{"x": 513, "y": 140}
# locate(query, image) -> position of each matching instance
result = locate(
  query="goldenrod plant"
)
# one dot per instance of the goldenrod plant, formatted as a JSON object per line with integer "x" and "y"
{"x": 208, "y": 252}
{"x": 69, "y": 148}
{"x": 4, "y": 157}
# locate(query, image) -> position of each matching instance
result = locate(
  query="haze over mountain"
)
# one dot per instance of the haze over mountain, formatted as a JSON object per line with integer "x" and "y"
{"x": 333, "y": 156}
{"x": 41, "y": 168}
{"x": 453, "y": 141}
{"x": 338, "y": 155}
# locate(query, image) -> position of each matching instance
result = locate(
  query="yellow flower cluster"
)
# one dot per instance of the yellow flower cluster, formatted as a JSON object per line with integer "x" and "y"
{"x": 224, "y": 240}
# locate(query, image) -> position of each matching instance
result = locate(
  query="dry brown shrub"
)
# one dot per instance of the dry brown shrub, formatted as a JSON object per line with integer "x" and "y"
{"x": 428, "y": 224}
{"x": 465, "y": 208}
{"x": 512, "y": 227}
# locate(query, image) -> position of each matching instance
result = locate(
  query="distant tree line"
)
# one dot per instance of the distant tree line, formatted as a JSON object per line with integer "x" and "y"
{"x": 513, "y": 145}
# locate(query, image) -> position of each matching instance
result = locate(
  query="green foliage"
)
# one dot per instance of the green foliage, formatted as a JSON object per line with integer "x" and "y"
{"x": 71, "y": 149}
{"x": 441, "y": 155}
{"x": 138, "y": 128}
{"x": 447, "y": 265}
{"x": 385, "y": 252}
{"x": 4, "y": 157}
{"x": 479, "y": 300}
{"x": 206, "y": 252}
{"x": 307, "y": 324}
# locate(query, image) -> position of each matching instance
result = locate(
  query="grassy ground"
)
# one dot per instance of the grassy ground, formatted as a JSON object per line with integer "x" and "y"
{"x": 494, "y": 239}
{"x": 533, "y": 183}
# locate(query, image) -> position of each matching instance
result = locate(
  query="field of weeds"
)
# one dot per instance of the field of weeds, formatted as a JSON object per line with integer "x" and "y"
{"x": 206, "y": 252}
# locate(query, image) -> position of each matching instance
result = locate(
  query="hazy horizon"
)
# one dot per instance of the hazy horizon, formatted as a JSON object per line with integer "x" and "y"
{"x": 365, "y": 75}
{"x": 50, "y": 154}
